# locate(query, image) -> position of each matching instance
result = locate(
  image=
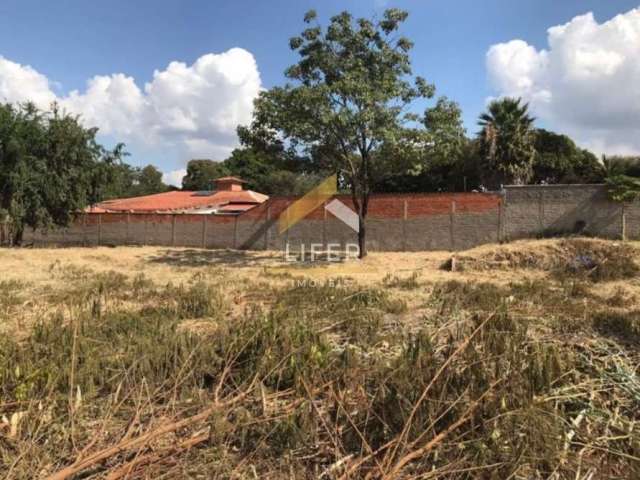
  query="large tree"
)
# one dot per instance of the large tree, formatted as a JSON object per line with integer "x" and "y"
{"x": 148, "y": 180}
{"x": 48, "y": 165}
{"x": 559, "y": 160}
{"x": 507, "y": 142}
{"x": 444, "y": 162}
{"x": 621, "y": 165}
{"x": 201, "y": 173}
{"x": 348, "y": 96}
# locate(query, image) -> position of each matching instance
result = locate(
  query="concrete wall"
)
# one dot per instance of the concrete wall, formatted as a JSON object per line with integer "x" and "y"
{"x": 542, "y": 210}
{"x": 410, "y": 222}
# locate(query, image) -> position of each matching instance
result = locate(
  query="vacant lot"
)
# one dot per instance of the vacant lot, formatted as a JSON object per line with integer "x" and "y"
{"x": 517, "y": 361}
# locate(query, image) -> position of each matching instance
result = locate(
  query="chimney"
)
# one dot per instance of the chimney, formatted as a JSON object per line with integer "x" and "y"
{"x": 229, "y": 184}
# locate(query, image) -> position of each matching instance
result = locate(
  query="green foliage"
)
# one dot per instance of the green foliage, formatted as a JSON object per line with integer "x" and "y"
{"x": 507, "y": 142}
{"x": 623, "y": 188}
{"x": 49, "y": 164}
{"x": 201, "y": 173}
{"x": 149, "y": 180}
{"x": 347, "y": 99}
{"x": 446, "y": 131}
{"x": 621, "y": 165}
{"x": 559, "y": 160}
{"x": 446, "y": 161}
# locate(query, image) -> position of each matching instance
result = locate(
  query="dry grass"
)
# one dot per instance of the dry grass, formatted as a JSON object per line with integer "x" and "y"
{"x": 178, "y": 363}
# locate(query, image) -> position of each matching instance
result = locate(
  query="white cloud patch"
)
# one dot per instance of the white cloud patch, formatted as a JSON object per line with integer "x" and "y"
{"x": 21, "y": 83}
{"x": 192, "y": 109}
{"x": 174, "y": 177}
{"x": 586, "y": 83}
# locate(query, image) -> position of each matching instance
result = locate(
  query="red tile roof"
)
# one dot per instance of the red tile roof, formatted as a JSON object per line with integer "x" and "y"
{"x": 230, "y": 179}
{"x": 180, "y": 200}
{"x": 236, "y": 207}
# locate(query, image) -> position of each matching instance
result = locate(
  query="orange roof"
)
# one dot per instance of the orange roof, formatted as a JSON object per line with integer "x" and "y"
{"x": 237, "y": 207}
{"x": 230, "y": 179}
{"x": 179, "y": 200}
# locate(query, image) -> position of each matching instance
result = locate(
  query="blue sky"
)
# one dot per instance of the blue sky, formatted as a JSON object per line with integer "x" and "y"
{"x": 70, "y": 42}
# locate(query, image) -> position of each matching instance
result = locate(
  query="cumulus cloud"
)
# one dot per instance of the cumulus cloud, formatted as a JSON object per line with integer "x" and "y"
{"x": 586, "y": 83}
{"x": 192, "y": 109}
{"x": 21, "y": 83}
{"x": 174, "y": 177}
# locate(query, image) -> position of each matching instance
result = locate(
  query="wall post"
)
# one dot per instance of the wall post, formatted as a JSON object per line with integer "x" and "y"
{"x": 286, "y": 233}
{"x": 405, "y": 214}
{"x": 500, "y": 214}
{"x": 452, "y": 225}
{"x": 99, "y": 229}
{"x": 144, "y": 232}
{"x": 266, "y": 229}
{"x": 324, "y": 226}
{"x": 173, "y": 230}
{"x": 128, "y": 237}
{"x": 623, "y": 212}
{"x": 541, "y": 212}
{"x": 204, "y": 231}
{"x": 235, "y": 232}
{"x": 84, "y": 229}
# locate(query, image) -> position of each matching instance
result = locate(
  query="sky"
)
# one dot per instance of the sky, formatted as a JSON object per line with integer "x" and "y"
{"x": 173, "y": 79}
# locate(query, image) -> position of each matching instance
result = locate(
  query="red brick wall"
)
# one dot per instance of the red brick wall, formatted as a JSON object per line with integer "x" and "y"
{"x": 428, "y": 216}
{"x": 392, "y": 205}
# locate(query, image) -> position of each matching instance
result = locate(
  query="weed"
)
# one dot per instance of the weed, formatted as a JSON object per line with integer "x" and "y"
{"x": 404, "y": 283}
{"x": 622, "y": 324}
{"x": 197, "y": 300}
{"x": 11, "y": 293}
{"x": 453, "y": 294}
{"x": 307, "y": 380}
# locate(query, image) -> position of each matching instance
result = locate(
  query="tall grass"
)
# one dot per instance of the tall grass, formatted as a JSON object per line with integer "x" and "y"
{"x": 319, "y": 382}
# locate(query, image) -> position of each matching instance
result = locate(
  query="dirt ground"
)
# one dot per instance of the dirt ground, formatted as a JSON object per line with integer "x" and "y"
{"x": 162, "y": 264}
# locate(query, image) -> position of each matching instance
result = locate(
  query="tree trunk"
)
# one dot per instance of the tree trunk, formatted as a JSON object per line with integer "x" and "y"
{"x": 362, "y": 232}
{"x": 16, "y": 240}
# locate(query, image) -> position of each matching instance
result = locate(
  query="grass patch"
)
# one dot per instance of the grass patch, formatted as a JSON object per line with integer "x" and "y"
{"x": 403, "y": 283}
{"x": 304, "y": 378}
{"x": 622, "y": 324}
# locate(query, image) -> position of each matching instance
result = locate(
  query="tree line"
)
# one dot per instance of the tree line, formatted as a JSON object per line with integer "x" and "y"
{"x": 349, "y": 106}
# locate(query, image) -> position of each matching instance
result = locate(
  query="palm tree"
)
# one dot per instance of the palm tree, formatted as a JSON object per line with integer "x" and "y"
{"x": 507, "y": 141}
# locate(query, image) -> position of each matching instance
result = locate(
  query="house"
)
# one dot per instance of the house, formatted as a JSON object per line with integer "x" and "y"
{"x": 228, "y": 198}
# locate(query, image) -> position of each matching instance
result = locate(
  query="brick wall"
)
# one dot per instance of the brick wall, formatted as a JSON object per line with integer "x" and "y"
{"x": 409, "y": 222}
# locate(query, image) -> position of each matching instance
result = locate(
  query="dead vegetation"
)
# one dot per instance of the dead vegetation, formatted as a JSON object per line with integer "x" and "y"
{"x": 594, "y": 260}
{"x": 287, "y": 375}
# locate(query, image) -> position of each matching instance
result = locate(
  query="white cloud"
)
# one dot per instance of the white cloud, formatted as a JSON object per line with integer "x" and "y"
{"x": 586, "y": 83}
{"x": 191, "y": 109}
{"x": 174, "y": 177}
{"x": 21, "y": 83}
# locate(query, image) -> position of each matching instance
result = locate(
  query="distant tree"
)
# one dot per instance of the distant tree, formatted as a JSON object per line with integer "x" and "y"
{"x": 285, "y": 182}
{"x": 507, "y": 142}
{"x": 623, "y": 188}
{"x": 559, "y": 160}
{"x": 443, "y": 162}
{"x": 111, "y": 179}
{"x": 621, "y": 165}
{"x": 446, "y": 132}
{"x": 201, "y": 174}
{"x": 48, "y": 162}
{"x": 349, "y": 95}
{"x": 252, "y": 166}
{"x": 148, "y": 181}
